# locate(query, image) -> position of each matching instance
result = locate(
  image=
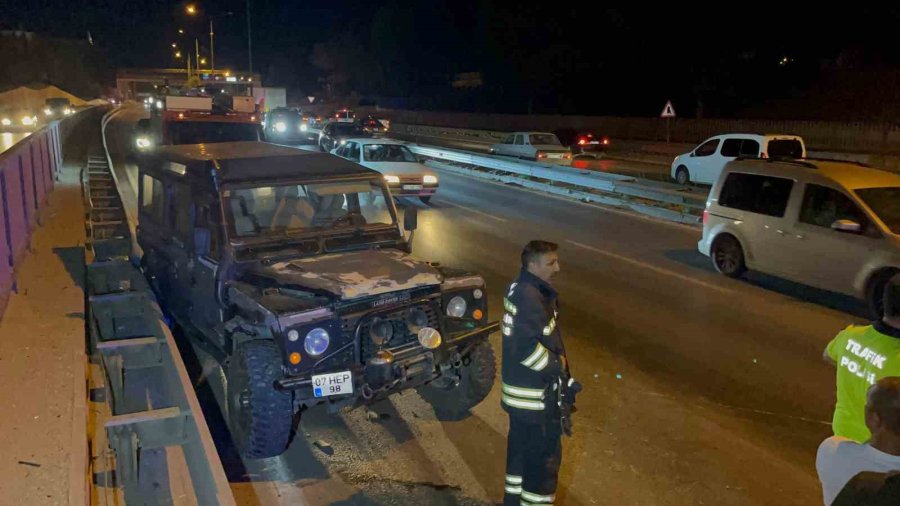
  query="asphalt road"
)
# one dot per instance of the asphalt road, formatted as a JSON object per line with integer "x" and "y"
{"x": 699, "y": 389}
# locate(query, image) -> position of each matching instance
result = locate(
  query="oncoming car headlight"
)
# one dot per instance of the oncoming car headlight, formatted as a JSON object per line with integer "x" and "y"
{"x": 304, "y": 127}
{"x": 280, "y": 127}
{"x": 429, "y": 179}
{"x": 143, "y": 142}
{"x": 48, "y": 112}
{"x": 316, "y": 342}
{"x": 27, "y": 121}
{"x": 5, "y": 122}
{"x": 391, "y": 179}
{"x": 343, "y": 141}
{"x": 457, "y": 306}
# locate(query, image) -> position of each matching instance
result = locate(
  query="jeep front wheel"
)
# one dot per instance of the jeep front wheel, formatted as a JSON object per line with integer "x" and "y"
{"x": 260, "y": 417}
{"x": 453, "y": 401}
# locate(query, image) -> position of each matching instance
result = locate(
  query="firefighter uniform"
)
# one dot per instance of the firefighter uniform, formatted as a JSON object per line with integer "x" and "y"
{"x": 532, "y": 370}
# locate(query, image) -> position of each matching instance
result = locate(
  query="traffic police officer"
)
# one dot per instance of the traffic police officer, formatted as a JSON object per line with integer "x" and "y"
{"x": 863, "y": 355}
{"x": 537, "y": 391}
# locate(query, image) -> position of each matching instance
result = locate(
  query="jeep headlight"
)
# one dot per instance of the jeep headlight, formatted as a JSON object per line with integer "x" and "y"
{"x": 316, "y": 342}
{"x": 280, "y": 127}
{"x": 457, "y": 306}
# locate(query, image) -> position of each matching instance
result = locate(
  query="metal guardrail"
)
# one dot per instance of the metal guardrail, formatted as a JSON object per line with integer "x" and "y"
{"x": 156, "y": 421}
{"x": 620, "y": 190}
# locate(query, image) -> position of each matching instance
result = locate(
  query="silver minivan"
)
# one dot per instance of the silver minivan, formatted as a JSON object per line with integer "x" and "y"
{"x": 829, "y": 224}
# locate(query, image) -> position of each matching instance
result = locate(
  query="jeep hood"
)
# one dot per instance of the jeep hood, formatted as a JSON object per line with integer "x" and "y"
{"x": 352, "y": 275}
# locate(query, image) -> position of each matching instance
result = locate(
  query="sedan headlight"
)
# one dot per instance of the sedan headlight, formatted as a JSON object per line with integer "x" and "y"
{"x": 457, "y": 306}
{"x": 316, "y": 342}
{"x": 343, "y": 141}
{"x": 280, "y": 127}
{"x": 48, "y": 112}
{"x": 27, "y": 121}
{"x": 304, "y": 127}
{"x": 143, "y": 142}
{"x": 429, "y": 179}
{"x": 392, "y": 179}
{"x": 5, "y": 122}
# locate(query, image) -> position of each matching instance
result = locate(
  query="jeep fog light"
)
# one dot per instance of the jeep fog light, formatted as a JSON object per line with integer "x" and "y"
{"x": 316, "y": 342}
{"x": 456, "y": 308}
{"x": 429, "y": 338}
{"x": 293, "y": 335}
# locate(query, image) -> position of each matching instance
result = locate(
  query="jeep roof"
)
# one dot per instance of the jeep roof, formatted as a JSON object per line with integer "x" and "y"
{"x": 247, "y": 161}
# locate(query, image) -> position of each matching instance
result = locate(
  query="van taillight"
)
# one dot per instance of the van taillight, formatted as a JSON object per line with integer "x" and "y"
{"x": 705, "y": 216}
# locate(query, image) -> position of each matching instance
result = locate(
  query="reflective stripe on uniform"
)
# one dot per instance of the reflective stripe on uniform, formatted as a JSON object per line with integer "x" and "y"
{"x": 538, "y": 353}
{"x": 513, "y": 479}
{"x": 520, "y": 403}
{"x": 513, "y": 489}
{"x": 527, "y": 393}
{"x": 542, "y": 363}
{"x": 550, "y": 326}
{"x": 507, "y": 331}
{"x": 538, "y": 499}
{"x": 509, "y": 306}
{"x": 528, "y": 503}
{"x": 507, "y": 319}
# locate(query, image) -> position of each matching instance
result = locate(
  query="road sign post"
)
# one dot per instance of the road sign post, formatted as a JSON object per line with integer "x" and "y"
{"x": 668, "y": 112}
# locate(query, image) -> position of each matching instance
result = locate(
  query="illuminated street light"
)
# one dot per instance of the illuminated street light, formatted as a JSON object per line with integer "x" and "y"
{"x": 181, "y": 31}
{"x": 191, "y": 9}
{"x": 174, "y": 45}
{"x": 202, "y": 61}
{"x": 177, "y": 54}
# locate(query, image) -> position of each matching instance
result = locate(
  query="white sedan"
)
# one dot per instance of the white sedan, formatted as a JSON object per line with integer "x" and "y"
{"x": 402, "y": 171}
{"x": 537, "y": 146}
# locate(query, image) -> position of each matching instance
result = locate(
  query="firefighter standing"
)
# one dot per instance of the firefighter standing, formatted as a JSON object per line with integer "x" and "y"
{"x": 537, "y": 390}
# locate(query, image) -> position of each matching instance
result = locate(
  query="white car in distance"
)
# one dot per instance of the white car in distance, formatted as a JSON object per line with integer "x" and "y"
{"x": 404, "y": 174}
{"x": 537, "y": 146}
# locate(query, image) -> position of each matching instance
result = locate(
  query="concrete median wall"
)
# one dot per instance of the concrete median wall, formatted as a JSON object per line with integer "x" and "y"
{"x": 28, "y": 172}
{"x": 873, "y": 138}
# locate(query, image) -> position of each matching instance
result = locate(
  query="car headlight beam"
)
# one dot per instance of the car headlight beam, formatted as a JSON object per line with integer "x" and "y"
{"x": 280, "y": 127}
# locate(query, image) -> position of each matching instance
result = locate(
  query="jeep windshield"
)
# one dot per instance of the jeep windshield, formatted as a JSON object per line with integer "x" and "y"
{"x": 201, "y": 132}
{"x": 303, "y": 209}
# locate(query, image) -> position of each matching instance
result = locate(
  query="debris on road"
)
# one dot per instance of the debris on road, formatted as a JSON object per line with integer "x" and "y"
{"x": 324, "y": 447}
{"x": 31, "y": 464}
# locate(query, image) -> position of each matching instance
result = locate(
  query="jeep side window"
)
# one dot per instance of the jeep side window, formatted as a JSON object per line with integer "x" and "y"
{"x": 708, "y": 148}
{"x": 183, "y": 207}
{"x": 205, "y": 219}
{"x": 153, "y": 199}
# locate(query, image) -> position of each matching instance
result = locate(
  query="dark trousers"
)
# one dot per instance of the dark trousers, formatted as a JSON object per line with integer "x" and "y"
{"x": 533, "y": 455}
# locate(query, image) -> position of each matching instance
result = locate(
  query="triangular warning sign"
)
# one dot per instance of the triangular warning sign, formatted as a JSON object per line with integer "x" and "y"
{"x": 668, "y": 111}
{"x": 311, "y": 99}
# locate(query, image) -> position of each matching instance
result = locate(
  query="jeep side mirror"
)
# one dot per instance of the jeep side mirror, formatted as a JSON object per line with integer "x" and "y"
{"x": 848, "y": 226}
{"x": 201, "y": 241}
{"x": 411, "y": 219}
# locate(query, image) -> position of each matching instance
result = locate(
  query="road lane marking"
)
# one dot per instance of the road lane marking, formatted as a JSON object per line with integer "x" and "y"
{"x": 644, "y": 265}
{"x": 476, "y": 211}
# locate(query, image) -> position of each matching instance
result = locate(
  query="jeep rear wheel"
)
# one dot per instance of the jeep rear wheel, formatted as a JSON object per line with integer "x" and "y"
{"x": 259, "y": 417}
{"x": 453, "y": 402}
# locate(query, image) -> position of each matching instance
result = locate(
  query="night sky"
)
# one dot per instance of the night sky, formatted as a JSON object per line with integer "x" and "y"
{"x": 551, "y": 57}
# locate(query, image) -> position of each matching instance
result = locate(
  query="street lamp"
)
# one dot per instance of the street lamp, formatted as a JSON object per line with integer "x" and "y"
{"x": 191, "y": 9}
{"x": 174, "y": 45}
{"x": 178, "y": 54}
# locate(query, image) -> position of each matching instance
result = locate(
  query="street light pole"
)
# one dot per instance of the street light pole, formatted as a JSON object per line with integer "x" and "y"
{"x": 249, "y": 40}
{"x": 197, "y": 49}
{"x": 212, "y": 50}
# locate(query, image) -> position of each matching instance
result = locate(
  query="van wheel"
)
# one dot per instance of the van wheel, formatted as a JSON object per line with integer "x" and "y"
{"x": 728, "y": 256}
{"x": 682, "y": 176}
{"x": 875, "y": 292}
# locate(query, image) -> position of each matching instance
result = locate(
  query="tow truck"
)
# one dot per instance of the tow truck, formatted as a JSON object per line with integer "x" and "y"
{"x": 200, "y": 119}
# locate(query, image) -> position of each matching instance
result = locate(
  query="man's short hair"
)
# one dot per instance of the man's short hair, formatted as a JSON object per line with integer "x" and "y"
{"x": 884, "y": 400}
{"x": 534, "y": 249}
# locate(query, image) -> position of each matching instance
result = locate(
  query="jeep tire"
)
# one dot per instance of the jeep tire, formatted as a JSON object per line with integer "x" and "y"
{"x": 259, "y": 417}
{"x": 453, "y": 402}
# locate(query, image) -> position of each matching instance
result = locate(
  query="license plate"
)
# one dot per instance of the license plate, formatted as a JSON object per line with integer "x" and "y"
{"x": 335, "y": 383}
{"x": 412, "y": 187}
{"x": 554, "y": 155}
{"x": 594, "y": 142}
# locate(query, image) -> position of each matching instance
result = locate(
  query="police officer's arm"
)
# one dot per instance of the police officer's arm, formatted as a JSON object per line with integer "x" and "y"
{"x": 531, "y": 320}
{"x": 832, "y": 351}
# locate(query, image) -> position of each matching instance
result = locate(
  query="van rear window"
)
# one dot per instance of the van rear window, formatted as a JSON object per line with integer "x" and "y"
{"x": 785, "y": 148}
{"x": 756, "y": 194}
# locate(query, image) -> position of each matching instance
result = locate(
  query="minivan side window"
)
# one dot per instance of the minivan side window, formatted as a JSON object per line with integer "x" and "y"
{"x": 749, "y": 148}
{"x": 823, "y": 206}
{"x": 509, "y": 139}
{"x": 707, "y": 148}
{"x": 731, "y": 148}
{"x": 519, "y": 140}
{"x": 757, "y": 194}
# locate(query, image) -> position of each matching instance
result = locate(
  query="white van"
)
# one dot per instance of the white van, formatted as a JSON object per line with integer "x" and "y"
{"x": 704, "y": 164}
{"x": 828, "y": 224}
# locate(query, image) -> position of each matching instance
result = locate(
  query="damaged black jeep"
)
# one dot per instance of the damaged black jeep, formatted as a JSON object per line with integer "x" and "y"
{"x": 291, "y": 269}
